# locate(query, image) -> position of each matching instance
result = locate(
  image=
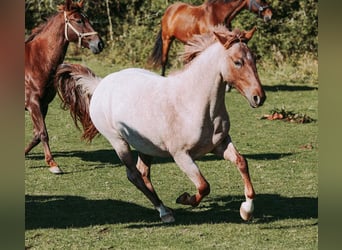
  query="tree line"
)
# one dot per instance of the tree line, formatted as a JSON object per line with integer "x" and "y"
{"x": 129, "y": 27}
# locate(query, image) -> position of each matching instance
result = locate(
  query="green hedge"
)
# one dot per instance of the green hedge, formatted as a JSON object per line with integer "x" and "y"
{"x": 293, "y": 31}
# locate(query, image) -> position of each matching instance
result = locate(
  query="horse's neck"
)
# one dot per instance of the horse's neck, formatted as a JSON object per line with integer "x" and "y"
{"x": 236, "y": 9}
{"x": 227, "y": 11}
{"x": 54, "y": 40}
{"x": 200, "y": 85}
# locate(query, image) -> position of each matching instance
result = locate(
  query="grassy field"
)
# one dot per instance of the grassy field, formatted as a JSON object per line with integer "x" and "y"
{"x": 94, "y": 206}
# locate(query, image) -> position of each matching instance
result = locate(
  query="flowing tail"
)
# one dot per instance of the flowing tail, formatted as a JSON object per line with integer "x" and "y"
{"x": 156, "y": 56}
{"x": 75, "y": 85}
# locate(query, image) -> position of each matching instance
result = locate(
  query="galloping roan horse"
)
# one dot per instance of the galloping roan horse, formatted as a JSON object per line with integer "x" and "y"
{"x": 183, "y": 115}
{"x": 181, "y": 21}
{"x": 45, "y": 49}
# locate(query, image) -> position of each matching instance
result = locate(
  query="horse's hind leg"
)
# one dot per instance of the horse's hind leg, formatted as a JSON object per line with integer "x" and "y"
{"x": 229, "y": 152}
{"x": 38, "y": 114}
{"x": 167, "y": 41}
{"x": 139, "y": 176}
{"x": 144, "y": 166}
{"x": 189, "y": 167}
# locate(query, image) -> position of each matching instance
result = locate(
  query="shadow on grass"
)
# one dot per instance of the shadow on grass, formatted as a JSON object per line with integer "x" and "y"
{"x": 109, "y": 157}
{"x": 77, "y": 212}
{"x": 288, "y": 87}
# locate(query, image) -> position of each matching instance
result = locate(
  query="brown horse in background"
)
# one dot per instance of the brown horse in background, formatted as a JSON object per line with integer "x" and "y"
{"x": 45, "y": 49}
{"x": 181, "y": 21}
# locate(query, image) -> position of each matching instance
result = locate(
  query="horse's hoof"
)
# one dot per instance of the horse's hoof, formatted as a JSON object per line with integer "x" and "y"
{"x": 55, "y": 170}
{"x": 184, "y": 199}
{"x": 167, "y": 218}
{"x": 246, "y": 213}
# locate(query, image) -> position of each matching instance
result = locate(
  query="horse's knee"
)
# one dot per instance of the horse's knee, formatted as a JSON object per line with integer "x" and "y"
{"x": 44, "y": 137}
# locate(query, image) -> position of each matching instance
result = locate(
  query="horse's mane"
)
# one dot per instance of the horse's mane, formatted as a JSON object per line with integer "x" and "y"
{"x": 35, "y": 31}
{"x": 75, "y": 6}
{"x": 198, "y": 43}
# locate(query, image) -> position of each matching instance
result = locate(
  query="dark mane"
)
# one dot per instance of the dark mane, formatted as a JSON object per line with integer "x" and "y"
{"x": 35, "y": 31}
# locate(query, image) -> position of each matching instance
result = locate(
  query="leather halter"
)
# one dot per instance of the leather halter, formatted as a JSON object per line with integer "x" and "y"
{"x": 259, "y": 7}
{"x": 80, "y": 35}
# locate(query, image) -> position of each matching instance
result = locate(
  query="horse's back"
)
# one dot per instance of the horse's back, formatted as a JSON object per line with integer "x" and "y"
{"x": 181, "y": 20}
{"x": 128, "y": 93}
{"x": 129, "y": 105}
{"x": 128, "y": 80}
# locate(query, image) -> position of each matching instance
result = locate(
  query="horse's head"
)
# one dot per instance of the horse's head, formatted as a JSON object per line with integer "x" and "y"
{"x": 262, "y": 8}
{"x": 78, "y": 28}
{"x": 240, "y": 69}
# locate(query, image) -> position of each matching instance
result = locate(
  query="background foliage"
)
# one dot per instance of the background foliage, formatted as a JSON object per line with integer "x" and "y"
{"x": 290, "y": 36}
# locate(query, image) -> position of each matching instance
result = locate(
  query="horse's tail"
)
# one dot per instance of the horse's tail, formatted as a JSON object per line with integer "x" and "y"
{"x": 76, "y": 84}
{"x": 156, "y": 56}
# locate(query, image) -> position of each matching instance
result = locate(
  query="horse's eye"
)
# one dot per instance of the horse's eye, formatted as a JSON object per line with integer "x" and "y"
{"x": 79, "y": 21}
{"x": 238, "y": 64}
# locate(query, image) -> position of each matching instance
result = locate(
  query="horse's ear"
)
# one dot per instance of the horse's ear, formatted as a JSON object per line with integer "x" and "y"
{"x": 248, "y": 34}
{"x": 68, "y": 4}
{"x": 222, "y": 39}
{"x": 80, "y": 4}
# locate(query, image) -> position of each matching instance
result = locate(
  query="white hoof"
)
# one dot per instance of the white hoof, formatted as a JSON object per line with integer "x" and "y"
{"x": 246, "y": 210}
{"x": 167, "y": 218}
{"x": 55, "y": 170}
{"x": 165, "y": 214}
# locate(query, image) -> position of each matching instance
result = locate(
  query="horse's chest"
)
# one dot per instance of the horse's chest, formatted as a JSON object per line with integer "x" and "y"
{"x": 209, "y": 135}
{"x": 220, "y": 128}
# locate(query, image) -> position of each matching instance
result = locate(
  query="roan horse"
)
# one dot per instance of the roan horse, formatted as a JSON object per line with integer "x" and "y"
{"x": 181, "y": 21}
{"x": 182, "y": 115}
{"x": 45, "y": 49}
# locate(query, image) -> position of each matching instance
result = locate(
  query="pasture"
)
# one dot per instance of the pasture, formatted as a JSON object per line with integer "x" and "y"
{"x": 94, "y": 206}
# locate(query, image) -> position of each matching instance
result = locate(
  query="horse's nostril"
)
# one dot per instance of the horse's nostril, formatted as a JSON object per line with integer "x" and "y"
{"x": 256, "y": 99}
{"x": 101, "y": 45}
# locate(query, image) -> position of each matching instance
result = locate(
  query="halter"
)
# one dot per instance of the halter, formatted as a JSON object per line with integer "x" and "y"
{"x": 260, "y": 8}
{"x": 80, "y": 35}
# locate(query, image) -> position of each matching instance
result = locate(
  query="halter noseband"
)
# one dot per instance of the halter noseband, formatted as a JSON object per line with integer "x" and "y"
{"x": 260, "y": 8}
{"x": 80, "y": 35}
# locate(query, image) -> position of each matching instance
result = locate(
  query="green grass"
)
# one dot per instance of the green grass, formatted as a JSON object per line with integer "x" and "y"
{"x": 94, "y": 206}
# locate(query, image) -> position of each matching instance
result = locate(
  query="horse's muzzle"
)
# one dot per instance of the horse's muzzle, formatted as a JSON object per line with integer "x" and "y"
{"x": 96, "y": 46}
{"x": 257, "y": 101}
{"x": 267, "y": 18}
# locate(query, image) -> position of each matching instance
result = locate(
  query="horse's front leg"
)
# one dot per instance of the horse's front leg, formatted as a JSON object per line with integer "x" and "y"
{"x": 189, "y": 167}
{"x": 227, "y": 150}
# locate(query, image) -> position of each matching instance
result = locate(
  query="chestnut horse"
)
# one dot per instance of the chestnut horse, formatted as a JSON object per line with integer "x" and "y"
{"x": 45, "y": 49}
{"x": 181, "y": 21}
{"x": 183, "y": 115}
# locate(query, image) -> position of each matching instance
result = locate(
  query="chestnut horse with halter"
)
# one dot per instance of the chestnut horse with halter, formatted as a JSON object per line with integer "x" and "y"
{"x": 181, "y": 21}
{"x": 45, "y": 49}
{"x": 182, "y": 115}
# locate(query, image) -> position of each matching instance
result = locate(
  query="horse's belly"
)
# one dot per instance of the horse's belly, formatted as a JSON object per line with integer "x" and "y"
{"x": 147, "y": 143}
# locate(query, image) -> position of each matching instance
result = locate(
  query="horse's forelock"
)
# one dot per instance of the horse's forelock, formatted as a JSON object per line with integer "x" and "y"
{"x": 74, "y": 6}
